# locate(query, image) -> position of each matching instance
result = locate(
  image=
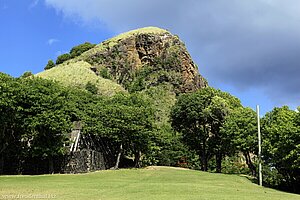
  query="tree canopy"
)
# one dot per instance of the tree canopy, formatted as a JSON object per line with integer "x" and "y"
{"x": 126, "y": 119}
{"x": 240, "y": 128}
{"x": 62, "y": 58}
{"x": 150, "y": 126}
{"x": 281, "y": 144}
{"x": 199, "y": 116}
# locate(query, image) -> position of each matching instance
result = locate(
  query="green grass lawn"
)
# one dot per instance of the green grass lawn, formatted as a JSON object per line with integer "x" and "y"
{"x": 153, "y": 183}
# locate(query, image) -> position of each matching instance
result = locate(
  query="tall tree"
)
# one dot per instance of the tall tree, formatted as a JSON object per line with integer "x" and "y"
{"x": 199, "y": 116}
{"x": 281, "y": 144}
{"x": 240, "y": 128}
{"x": 46, "y": 121}
{"x": 125, "y": 119}
{"x": 10, "y": 136}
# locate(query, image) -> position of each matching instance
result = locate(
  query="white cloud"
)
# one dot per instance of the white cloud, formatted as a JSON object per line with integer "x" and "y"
{"x": 52, "y": 41}
{"x": 244, "y": 43}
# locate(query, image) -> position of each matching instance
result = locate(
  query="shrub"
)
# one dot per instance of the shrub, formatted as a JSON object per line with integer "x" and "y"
{"x": 235, "y": 165}
{"x": 26, "y": 74}
{"x": 78, "y": 50}
{"x": 92, "y": 88}
{"x": 105, "y": 73}
{"x": 62, "y": 58}
{"x": 49, "y": 65}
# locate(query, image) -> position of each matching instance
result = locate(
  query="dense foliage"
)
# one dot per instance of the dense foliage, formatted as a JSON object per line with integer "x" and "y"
{"x": 281, "y": 146}
{"x": 125, "y": 119}
{"x": 240, "y": 128}
{"x": 199, "y": 117}
{"x": 26, "y": 74}
{"x": 35, "y": 119}
{"x": 92, "y": 88}
{"x": 206, "y": 129}
{"x": 38, "y": 114}
{"x": 62, "y": 58}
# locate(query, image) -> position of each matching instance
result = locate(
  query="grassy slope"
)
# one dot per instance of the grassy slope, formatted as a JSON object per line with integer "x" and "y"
{"x": 79, "y": 74}
{"x": 156, "y": 183}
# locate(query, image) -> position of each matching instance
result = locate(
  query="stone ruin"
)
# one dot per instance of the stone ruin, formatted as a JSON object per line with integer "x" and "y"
{"x": 85, "y": 153}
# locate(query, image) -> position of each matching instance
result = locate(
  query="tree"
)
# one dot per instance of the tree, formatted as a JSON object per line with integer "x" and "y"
{"x": 78, "y": 50}
{"x": 167, "y": 148}
{"x": 45, "y": 118}
{"x": 92, "y": 88}
{"x": 49, "y": 65}
{"x": 240, "y": 128}
{"x": 281, "y": 144}
{"x": 62, "y": 58}
{"x": 199, "y": 117}
{"x": 34, "y": 121}
{"x": 26, "y": 74}
{"x": 125, "y": 119}
{"x": 10, "y": 136}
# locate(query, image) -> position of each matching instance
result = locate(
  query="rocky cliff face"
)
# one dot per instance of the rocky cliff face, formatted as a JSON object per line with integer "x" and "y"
{"x": 146, "y": 57}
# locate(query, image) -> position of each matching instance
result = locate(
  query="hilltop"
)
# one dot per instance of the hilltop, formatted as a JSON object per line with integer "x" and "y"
{"x": 132, "y": 61}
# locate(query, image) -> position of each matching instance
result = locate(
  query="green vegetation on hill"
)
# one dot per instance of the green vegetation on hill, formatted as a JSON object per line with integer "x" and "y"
{"x": 136, "y": 60}
{"x": 79, "y": 74}
{"x": 154, "y": 183}
{"x": 79, "y": 49}
{"x": 74, "y": 52}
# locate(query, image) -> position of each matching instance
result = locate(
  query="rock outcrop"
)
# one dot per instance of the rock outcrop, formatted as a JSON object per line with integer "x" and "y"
{"x": 143, "y": 58}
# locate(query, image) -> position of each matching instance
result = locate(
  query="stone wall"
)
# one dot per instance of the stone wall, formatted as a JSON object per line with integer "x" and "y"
{"x": 84, "y": 161}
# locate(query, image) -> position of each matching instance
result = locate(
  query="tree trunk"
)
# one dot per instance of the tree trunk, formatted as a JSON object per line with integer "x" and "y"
{"x": 1, "y": 163}
{"x": 219, "y": 162}
{"x": 249, "y": 163}
{"x": 137, "y": 158}
{"x": 51, "y": 165}
{"x": 296, "y": 186}
{"x": 118, "y": 157}
{"x": 203, "y": 161}
{"x": 203, "y": 156}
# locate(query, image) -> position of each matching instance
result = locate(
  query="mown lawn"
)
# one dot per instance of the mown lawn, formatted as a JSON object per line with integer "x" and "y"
{"x": 152, "y": 183}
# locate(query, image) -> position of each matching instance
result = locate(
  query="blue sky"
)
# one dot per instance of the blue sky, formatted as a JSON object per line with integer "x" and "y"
{"x": 31, "y": 34}
{"x": 248, "y": 48}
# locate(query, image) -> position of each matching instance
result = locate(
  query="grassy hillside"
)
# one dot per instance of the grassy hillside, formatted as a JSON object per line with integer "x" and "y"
{"x": 152, "y": 183}
{"x": 79, "y": 74}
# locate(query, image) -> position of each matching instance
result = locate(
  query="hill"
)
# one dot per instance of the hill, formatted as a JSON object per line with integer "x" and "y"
{"x": 149, "y": 60}
{"x": 151, "y": 183}
{"x": 135, "y": 60}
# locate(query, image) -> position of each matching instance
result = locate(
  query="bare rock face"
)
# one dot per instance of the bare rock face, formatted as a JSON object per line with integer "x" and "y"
{"x": 146, "y": 57}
